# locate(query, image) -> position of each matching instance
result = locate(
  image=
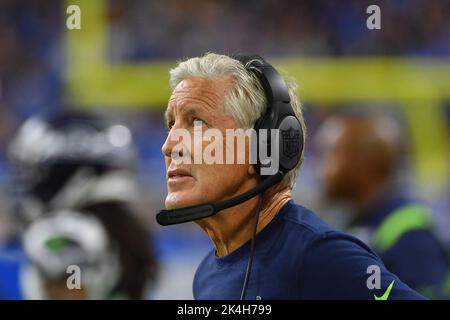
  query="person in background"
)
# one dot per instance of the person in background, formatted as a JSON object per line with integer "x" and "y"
{"x": 77, "y": 161}
{"x": 441, "y": 208}
{"x": 70, "y": 256}
{"x": 360, "y": 154}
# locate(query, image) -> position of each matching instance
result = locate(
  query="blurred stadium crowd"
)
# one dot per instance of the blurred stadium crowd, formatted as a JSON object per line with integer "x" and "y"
{"x": 32, "y": 83}
{"x": 175, "y": 29}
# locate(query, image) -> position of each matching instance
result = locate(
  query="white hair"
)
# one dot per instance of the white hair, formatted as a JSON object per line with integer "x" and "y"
{"x": 246, "y": 101}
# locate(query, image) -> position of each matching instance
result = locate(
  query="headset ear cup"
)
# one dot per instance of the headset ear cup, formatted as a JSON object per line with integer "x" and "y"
{"x": 290, "y": 137}
{"x": 290, "y": 141}
{"x": 279, "y": 115}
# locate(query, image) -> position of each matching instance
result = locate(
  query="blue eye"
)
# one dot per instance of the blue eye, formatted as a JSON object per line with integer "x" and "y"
{"x": 200, "y": 120}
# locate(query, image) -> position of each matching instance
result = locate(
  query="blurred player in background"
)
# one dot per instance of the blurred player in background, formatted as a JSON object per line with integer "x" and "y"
{"x": 56, "y": 243}
{"x": 361, "y": 152}
{"x": 441, "y": 207}
{"x": 73, "y": 160}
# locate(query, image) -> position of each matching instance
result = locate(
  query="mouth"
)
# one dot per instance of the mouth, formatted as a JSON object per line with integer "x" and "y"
{"x": 178, "y": 176}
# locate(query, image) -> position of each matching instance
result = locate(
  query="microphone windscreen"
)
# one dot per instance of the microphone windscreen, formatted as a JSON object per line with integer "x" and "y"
{"x": 175, "y": 216}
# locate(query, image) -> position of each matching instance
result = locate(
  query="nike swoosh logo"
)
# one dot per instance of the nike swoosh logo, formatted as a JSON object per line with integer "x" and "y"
{"x": 386, "y": 294}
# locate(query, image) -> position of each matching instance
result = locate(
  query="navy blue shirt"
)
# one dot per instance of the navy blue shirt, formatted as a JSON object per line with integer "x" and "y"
{"x": 298, "y": 256}
{"x": 418, "y": 258}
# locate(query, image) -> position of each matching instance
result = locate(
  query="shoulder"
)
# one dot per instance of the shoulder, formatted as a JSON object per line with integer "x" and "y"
{"x": 321, "y": 240}
{"x": 306, "y": 226}
{"x": 403, "y": 258}
{"x": 333, "y": 264}
{"x": 421, "y": 241}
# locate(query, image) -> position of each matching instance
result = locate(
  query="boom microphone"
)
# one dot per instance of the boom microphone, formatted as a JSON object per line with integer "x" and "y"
{"x": 196, "y": 212}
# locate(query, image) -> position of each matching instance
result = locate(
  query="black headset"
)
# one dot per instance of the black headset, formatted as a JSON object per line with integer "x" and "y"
{"x": 279, "y": 115}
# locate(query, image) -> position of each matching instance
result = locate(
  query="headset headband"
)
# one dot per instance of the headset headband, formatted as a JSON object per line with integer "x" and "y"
{"x": 273, "y": 84}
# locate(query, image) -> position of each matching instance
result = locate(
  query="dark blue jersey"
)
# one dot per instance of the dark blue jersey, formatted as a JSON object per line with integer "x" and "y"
{"x": 416, "y": 256}
{"x": 298, "y": 256}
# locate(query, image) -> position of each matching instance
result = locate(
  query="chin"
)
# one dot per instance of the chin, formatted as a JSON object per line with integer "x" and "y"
{"x": 175, "y": 200}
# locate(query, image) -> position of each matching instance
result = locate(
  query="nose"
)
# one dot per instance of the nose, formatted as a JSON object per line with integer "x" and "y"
{"x": 168, "y": 145}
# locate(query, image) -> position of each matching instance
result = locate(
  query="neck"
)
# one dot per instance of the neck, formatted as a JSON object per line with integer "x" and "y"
{"x": 233, "y": 227}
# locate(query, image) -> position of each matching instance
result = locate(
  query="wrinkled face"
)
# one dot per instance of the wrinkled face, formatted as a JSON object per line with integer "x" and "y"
{"x": 199, "y": 102}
